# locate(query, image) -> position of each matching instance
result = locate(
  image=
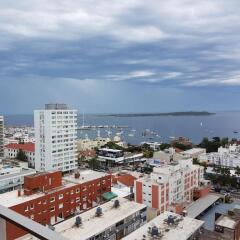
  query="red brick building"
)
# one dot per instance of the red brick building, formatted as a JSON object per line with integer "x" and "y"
{"x": 48, "y": 199}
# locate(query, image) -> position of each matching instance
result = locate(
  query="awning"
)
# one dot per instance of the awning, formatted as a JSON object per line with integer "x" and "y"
{"x": 109, "y": 195}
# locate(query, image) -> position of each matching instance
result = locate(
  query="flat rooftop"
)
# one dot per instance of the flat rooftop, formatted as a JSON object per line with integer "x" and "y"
{"x": 85, "y": 176}
{"x": 183, "y": 230}
{"x": 110, "y": 150}
{"x": 226, "y": 221}
{"x": 10, "y": 199}
{"x": 92, "y": 225}
{"x": 193, "y": 150}
{"x": 199, "y": 206}
{"x": 22, "y": 172}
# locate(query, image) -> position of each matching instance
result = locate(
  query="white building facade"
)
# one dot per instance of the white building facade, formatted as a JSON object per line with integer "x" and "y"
{"x": 168, "y": 185}
{"x": 11, "y": 151}
{"x": 226, "y": 157}
{"x": 55, "y": 134}
{"x": 12, "y": 177}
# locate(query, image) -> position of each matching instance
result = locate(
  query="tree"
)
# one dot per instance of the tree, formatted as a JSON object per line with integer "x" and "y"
{"x": 148, "y": 153}
{"x": 21, "y": 155}
{"x": 94, "y": 163}
{"x": 164, "y": 146}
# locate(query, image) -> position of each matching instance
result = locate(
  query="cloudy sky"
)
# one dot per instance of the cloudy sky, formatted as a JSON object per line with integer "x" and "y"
{"x": 120, "y": 56}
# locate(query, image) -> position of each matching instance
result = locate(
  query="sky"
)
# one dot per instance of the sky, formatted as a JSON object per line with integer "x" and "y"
{"x": 110, "y": 56}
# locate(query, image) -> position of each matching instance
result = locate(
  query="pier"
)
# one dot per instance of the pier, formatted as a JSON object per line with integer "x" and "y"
{"x": 89, "y": 127}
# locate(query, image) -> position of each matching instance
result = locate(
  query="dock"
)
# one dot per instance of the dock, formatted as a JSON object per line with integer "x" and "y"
{"x": 89, "y": 127}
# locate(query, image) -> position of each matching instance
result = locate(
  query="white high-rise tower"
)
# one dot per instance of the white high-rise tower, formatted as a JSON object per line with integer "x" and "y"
{"x": 55, "y": 133}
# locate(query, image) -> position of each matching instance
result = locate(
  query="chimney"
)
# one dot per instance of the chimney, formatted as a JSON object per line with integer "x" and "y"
{"x": 77, "y": 175}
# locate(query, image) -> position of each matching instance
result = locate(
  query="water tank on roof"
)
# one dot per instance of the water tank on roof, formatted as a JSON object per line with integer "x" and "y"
{"x": 99, "y": 211}
{"x": 154, "y": 231}
{"x": 170, "y": 219}
{"x": 78, "y": 221}
{"x": 116, "y": 203}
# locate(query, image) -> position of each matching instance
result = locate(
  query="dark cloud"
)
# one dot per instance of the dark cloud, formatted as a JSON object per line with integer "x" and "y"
{"x": 100, "y": 58}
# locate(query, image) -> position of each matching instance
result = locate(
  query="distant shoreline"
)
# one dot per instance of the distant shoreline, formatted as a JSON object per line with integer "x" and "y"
{"x": 191, "y": 113}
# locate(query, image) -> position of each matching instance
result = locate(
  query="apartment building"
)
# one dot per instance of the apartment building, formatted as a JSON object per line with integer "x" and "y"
{"x": 170, "y": 185}
{"x": 11, "y": 151}
{"x": 11, "y": 177}
{"x": 114, "y": 157}
{"x": 193, "y": 152}
{"x": 169, "y": 226}
{"x": 112, "y": 220}
{"x": 91, "y": 144}
{"x": 1, "y": 136}
{"x": 227, "y": 157}
{"x": 47, "y": 198}
{"x": 55, "y": 133}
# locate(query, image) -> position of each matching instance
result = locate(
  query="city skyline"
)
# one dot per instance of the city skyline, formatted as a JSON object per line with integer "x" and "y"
{"x": 131, "y": 56}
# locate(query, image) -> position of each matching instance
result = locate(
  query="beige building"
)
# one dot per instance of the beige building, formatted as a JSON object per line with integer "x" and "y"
{"x": 89, "y": 144}
{"x": 167, "y": 155}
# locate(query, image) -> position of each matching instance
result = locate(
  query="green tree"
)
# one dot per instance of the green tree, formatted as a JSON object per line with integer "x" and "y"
{"x": 164, "y": 146}
{"x": 21, "y": 155}
{"x": 94, "y": 163}
{"x": 148, "y": 153}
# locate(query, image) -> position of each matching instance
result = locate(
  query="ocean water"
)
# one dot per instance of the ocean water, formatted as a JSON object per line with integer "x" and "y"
{"x": 222, "y": 124}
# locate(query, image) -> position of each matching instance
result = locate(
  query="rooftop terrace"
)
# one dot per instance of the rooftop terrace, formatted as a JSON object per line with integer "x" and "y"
{"x": 182, "y": 228}
{"x": 93, "y": 225}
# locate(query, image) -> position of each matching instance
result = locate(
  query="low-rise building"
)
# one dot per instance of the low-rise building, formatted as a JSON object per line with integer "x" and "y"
{"x": 11, "y": 151}
{"x": 168, "y": 226}
{"x": 227, "y": 157}
{"x": 167, "y": 155}
{"x": 114, "y": 157}
{"x": 112, "y": 220}
{"x": 12, "y": 177}
{"x": 152, "y": 145}
{"x": 169, "y": 185}
{"x": 91, "y": 144}
{"x": 194, "y": 152}
{"x": 47, "y": 198}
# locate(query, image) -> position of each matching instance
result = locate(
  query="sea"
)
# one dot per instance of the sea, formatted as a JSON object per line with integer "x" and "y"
{"x": 152, "y": 128}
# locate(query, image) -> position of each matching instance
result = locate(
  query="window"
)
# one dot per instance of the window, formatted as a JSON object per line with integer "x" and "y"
{"x": 52, "y": 209}
{"x": 77, "y": 190}
{"x": 52, "y": 199}
{"x": 60, "y": 206}
{"x": 60, "y": 196}
{"x": 77, "y": 200}
{"x": 26, "y": 208}
{"x": 32, "y": 206}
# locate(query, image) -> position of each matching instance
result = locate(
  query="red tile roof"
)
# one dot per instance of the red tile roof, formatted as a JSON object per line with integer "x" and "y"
{"x": 27, "y": 147}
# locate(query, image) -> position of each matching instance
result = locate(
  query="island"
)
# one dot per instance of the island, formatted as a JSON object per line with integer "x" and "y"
{"x": 189, "y": 113}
